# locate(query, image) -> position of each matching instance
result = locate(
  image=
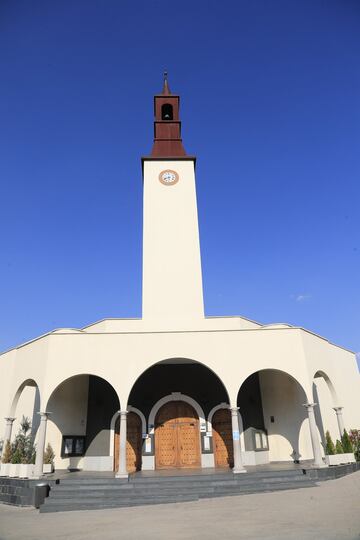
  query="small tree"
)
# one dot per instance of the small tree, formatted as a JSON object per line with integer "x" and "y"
{"x": 346, "y": 443}
{"x": 354, "y": 436}
{"x": 329, "y": 446}
{"x": 338, "y": 447}
{"x": 6, "y": 457}
{"x": 23, "y": 449}
{"x": 16, "y": 457}
{"x": 49, "y": 455}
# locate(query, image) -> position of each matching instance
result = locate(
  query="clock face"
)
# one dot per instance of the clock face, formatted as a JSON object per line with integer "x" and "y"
{"x": 168, "y": 177}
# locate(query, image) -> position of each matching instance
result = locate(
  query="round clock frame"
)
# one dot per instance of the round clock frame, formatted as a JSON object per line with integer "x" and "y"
{"x": 173, "y": 177}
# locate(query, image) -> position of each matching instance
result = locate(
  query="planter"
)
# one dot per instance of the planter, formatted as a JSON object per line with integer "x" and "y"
{"x": 14, "y": 470}
{"x": 340, "y": 459}
{"x": 4, "y": 470}
{"x": 48, "y": 468}
{"x": 26, "y": 470}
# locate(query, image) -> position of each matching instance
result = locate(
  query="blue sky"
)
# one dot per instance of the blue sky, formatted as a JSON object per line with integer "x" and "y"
{"x": 270, "y": 106}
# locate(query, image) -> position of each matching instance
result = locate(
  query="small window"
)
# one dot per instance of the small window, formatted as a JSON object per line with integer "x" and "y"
{"x": 166, "y": 112}
{"x": 73, "y": 445}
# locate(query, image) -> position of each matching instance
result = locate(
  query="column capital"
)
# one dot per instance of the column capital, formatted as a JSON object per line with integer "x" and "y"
{"x": 9, "y": 419}
{"x": 44, "y": 414}
{"x": 309, "y": 406}
{"x": 234, "y": 410}
{"x": 338, "y": 410}
{"x": 123, "y": 413}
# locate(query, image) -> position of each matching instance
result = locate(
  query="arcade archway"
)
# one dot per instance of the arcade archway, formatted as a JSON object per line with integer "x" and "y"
{"x": 176, "y": 396}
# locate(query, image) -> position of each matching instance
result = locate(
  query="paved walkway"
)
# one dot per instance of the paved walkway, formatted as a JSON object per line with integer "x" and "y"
{"x": 328, "y": 512}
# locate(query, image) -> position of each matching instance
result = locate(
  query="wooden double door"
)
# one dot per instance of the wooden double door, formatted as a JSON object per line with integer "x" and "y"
{"x": 177, "y": 436}
{"x": 222, "y": 438}
{"x": 133, "y": 442}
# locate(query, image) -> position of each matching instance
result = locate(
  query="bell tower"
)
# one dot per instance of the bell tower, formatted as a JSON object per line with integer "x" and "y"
{"x": 172, "y": 296}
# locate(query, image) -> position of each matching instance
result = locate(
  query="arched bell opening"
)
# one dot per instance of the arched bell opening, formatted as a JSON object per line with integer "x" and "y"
{"x": 167, "y": 112}
{"x": 271, "y": 405}
{"x": 176, "y": 396}
{"x": 80, "y": 412}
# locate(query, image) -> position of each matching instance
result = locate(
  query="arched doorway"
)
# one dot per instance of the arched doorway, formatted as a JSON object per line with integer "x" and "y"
{"x": 222, "y": 438}
{"x": 177, "y": 436}
{"x": 133, "y": 442}
{"x": 78, "y": 428}
{"x": 275, "y": 422}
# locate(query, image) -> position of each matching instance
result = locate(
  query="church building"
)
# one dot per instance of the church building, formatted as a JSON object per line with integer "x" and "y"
{"x": 177, "y": 389}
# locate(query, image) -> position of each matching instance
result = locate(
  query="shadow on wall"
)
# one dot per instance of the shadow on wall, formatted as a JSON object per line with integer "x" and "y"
{"x": 318, "y": 417}
{"x": 282, "y": 399}
{"x": 35, "y": 421}
{"x": 83, "y": 405}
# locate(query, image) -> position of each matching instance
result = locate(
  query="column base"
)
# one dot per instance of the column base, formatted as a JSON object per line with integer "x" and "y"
{"x": 122, "y": 475}
{"x": 239, "y": 471}
{"x": 321, "y": 465}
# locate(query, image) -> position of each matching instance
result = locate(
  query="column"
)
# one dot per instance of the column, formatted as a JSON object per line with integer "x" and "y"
{"x": 340, "y": 420}
{"x": 318, "y": 462}
{"x": 238, "y": 466}
{"x": 40, "y": 445}
{"x": 8, "y": 429}
{"x": 122, "y": 471}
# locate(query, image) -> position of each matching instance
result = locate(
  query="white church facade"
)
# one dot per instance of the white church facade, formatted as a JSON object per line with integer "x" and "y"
{"x": 177, "y": 389}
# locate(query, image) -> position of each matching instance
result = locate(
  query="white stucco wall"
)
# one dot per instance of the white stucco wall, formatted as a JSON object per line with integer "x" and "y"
{"x": 68, "y": 405}
{"x": 172, "y": 279}
{"x": 283, "y": 399}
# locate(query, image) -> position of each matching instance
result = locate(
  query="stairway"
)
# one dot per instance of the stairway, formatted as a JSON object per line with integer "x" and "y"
{"x": 96, "y": 493}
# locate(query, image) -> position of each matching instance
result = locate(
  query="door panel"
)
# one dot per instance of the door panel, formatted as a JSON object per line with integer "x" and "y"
{"x": 177, "y": 438}
{"x": 133, "y": 443}
{"x": 222, "y": 438}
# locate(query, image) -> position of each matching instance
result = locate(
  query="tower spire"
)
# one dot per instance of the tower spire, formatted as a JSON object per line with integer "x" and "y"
{"x": 167, "y": 125}
{"x": 166, "y": 90}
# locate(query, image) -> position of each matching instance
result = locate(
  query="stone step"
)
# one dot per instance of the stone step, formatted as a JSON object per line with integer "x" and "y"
{"x": 220, "y": 476}
{"x": 168, "y": 486}
{"x": 178, "y": 480}
{"x": 65, "y": 504}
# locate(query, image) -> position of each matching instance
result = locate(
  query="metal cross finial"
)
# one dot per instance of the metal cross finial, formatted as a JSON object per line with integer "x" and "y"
{"x": 165, "y": 75}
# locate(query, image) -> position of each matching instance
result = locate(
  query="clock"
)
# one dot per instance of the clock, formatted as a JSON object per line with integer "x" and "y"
{"x": 168, "y": 177}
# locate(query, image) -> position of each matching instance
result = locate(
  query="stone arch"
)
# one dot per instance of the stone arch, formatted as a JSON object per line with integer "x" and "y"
{"x": 212, "y": 412}
{"x": 330, "y": 385}
{"x": 326, "y": 399}
{"x": 175, "y": 396}
{"x": 33, "y": 406}
{"x": 271, "y": 402}
{"x": 26, "y": 382}
{"x": 58, "y": 384}
{"x": 113, "y": 422}
{"x": 180, "y": 360}
{"x": 82, "y": 406}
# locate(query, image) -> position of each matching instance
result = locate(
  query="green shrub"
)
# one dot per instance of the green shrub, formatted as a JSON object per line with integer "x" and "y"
{"x": 7, "y": 455}
{"x": 354, "y": 436}
{"x": 23, "y": 449}
{"x": 49, "y": 455}
{"x": 346, "y": 443}
{"x": 329, "y": 446}
{"x": 16, "y": 456}
{"x": 338, "y": 447}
